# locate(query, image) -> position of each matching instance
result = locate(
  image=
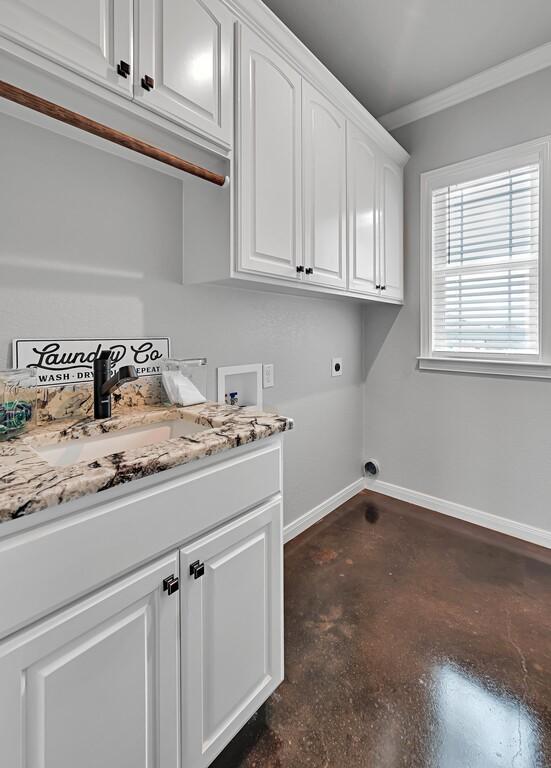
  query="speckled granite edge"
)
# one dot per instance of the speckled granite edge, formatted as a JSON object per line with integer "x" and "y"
{"x": 28, "y": 483}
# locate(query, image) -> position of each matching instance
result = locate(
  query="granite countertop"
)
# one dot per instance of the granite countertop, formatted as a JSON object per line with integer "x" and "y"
{"x": 28, "y": 483}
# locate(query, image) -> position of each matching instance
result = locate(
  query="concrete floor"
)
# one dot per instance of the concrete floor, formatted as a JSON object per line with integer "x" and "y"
{"x": 411, "y": 640}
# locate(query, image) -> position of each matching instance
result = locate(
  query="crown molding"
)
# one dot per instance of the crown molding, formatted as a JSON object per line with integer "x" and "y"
{"x": 494, "y": 77}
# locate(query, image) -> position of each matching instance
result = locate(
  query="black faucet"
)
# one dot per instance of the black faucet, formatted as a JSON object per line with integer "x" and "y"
{"x": 105, "y": 384}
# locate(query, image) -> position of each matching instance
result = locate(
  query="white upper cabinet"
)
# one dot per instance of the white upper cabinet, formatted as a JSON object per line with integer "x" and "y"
{"x": 184, "y": 67}
{"x": 174, "y": 57}
{"x": 269, "y": 161}
{"x": 91, "y": 38}
{"x": 391, "y": 257}
{"x": 97, "y": 684}
{"x": 318, "y": 202}
{"x": 375, "y": 191}
{"x": 232, "y": 650}
{"x": 316, "y": 182}
{"x": 324, "y": 157}
{"x": 363, "y": 256}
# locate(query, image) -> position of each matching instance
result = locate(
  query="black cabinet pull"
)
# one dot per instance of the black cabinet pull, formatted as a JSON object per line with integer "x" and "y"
{"x": 377, "y": 286}
{"x": 300, "y": 269}
{"x": 123, "y": 68}
{"x": 309, "y": 270}
{"x": 147, "y": 83}
{"x": 383, "y": 287}
{"x": 171, "y": 584}
{"x": 197, "y": 569}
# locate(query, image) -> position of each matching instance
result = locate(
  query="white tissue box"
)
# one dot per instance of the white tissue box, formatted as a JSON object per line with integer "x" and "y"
{"x": 185, "y": 381}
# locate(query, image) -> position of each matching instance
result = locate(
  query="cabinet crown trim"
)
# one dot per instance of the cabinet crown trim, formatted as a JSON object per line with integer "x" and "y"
{"x": 274, "y": 32}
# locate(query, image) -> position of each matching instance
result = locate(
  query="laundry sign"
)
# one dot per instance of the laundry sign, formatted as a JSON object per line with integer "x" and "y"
{"x": 70, "y": 361}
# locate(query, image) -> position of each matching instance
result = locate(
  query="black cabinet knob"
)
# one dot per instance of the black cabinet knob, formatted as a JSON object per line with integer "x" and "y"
{"x": 197, "y": 569}
{"x": 147, "y": 83}
{"x": 300, "y": 268}
{"x": 309, "y": 270}
{"x": 171, "y": 584}
{"x": 383, "y": 287}
{"x": 377, "y": 286}
{"x": 123, "y": 68}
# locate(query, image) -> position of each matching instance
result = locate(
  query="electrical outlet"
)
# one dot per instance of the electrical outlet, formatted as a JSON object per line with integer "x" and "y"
{"x": 268, "y": 375}
{"x": 336, "y": 366}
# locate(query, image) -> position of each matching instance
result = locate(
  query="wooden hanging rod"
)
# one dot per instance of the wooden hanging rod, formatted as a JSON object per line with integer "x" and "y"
{"x": 26, "y": 99}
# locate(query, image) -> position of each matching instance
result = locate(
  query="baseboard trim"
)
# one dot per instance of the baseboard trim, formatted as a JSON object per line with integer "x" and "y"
{"x": 317, "y": 513}
{"x": 460, "y": 511}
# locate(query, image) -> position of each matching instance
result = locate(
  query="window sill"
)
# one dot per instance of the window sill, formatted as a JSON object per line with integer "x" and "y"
{"x": 486, "y": 367}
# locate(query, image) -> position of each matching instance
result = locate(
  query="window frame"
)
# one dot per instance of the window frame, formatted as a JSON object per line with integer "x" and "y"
{"x": 527, "y": 365}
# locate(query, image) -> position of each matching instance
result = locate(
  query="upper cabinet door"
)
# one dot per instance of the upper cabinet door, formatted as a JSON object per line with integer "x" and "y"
{"x": 391, "y": 231}
{"x": 362, "y": 173}
{"x": 96, "y": 684}
{"x": 184, "y": 63}
{"x": 269, "y": 152}
{"x": 232, "y": 646}
{"x": 324, "y": 157}
{"x": 90, "y": 38}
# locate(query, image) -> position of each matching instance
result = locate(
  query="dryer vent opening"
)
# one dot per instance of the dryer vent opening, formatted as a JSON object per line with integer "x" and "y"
{"x": 371, "y": 468}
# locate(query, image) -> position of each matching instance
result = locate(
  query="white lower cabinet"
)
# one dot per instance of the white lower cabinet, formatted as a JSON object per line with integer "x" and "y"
{"x": 96, "y": 686}
{"x": 232, "y": 646}
{"x": 145, "y": 666}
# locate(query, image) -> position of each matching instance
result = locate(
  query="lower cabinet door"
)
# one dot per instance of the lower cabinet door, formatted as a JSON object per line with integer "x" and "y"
{"x": 232, "y": 635}
{"x": 96, "y": 686}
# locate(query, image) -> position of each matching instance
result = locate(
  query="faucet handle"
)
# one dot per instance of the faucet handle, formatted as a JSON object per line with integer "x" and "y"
{"x": 127, "y": 373}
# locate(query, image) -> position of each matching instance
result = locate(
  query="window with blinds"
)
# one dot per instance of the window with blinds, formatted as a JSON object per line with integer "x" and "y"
{"x": 485, "y": 265}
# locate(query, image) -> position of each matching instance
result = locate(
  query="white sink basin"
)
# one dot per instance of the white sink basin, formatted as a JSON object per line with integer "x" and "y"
{"x": 90, "y": 448}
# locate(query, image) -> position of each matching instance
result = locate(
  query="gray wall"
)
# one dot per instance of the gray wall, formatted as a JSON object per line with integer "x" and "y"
{"x": 91, "y": 245}
{"x": 476, "y": 440}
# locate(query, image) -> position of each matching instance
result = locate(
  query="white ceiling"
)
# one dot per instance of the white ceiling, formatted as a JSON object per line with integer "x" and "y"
{"x": 389, "y": 53}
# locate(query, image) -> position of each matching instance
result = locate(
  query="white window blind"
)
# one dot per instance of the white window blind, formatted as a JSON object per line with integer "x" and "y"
{"x": 485, "y": 265}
